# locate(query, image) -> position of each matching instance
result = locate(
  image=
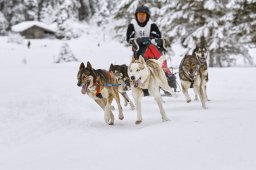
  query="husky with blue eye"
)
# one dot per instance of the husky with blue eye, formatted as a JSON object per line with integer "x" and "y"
{"x": 148, "y": 75}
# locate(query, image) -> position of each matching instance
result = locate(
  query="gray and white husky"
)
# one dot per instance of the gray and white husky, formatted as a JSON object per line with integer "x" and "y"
{"x": 148, "y": 75}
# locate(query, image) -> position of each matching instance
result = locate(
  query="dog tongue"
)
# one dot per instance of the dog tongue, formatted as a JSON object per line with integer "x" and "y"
{"x": 84, "y": 89}
{"x": 138, "y": 82}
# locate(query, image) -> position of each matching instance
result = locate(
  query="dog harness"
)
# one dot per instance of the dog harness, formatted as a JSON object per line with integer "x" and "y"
{"x": 100, "y": 85}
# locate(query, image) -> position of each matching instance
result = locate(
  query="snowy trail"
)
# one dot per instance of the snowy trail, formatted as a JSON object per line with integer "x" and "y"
{"x": 46, "y": 123}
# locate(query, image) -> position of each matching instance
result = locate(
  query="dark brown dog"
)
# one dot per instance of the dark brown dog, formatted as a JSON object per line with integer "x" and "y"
{"x": 121, "y": 74}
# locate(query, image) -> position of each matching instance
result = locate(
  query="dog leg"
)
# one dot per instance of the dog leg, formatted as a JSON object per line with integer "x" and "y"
{"x": 128, "y": 100}
{"x": 137, "y": 95}
{"x": 117, "y": 98}
{"x": 196, "y": 97}
{"x": 159, "y": 102}
{"x": 100, "y": 103}
{"x": 199, "y": 90}
{"x": 107, "y": 115}
{"x": 107, "y": 112}
{"x": 111, "y": 115}
{"x": 202, "y": 97}
{"x": 185, "y": 86}
{"x": 206, "y": 96}
{"x": 112, "y": 118}
{"x": 203, "y": 91}
{"x": 132, "y": 105}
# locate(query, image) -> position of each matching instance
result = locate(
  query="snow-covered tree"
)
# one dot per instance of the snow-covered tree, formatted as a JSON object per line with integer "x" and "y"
{"x": 3, "y": 24}
{"x": 66, "y": 12}
{"x": 226, "y": 27}
{"x": 66, "y": 54}
{"x": 47, "y": 14}
{"x": 31, "y": 10}
{"x": 122, "y": 16}
{"x": 84, "y": 10}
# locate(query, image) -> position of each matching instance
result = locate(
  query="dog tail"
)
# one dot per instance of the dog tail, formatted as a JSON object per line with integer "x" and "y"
{"x": 161, "y": 60}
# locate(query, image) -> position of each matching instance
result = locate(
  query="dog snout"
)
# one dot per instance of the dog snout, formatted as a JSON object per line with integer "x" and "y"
{"x": 191, "y": 71}
{"x": 132, "y": 78}
{"x": 79, "y": 84}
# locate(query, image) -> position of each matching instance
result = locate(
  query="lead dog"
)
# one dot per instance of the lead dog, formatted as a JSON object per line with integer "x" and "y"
{"x": 148, "y": 75}
{"x": 98, "y": 85}
{"x": 192, "y": 75}
{"x": 121, "y": 74}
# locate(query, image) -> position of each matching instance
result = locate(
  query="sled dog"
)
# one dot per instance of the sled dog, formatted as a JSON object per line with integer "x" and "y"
{"x": 190, "y": 76}
{"x": 121, "y": 74}
{"x": 201, "y": 54}
{"x": 98, "y": 85}
{"x": 148, "y": 75}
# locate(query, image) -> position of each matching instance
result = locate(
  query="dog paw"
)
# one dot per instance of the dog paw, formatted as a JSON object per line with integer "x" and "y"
{"x": 106, "y": 121}
{"x": 132, "y": 107}
{"x": 138, "y": 122}
{"x": 189, "y": 100}
{"x": 121, "y": 117}
{"x": 165, "y": 119}
{"x": 112, "y": 107}
{"x": 205, "y": 107}
{"x": 111, "y": 123}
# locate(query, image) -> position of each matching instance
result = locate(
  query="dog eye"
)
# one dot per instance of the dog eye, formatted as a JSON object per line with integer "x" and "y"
{"x": 138, "y": 70}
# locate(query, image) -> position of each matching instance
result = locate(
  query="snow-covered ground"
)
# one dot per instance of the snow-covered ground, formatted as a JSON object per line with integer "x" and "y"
{"x": 47, "y": 124}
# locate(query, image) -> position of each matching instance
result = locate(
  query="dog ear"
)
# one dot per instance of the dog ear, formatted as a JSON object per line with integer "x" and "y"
{"x": 196, "y": 49}
{"x": 82, "y": 66}
{"x": 133, "y": 59}
{"x": 141, "y": 59}
{"x": 111, "y": 66}
{"x": 89, "y": 66}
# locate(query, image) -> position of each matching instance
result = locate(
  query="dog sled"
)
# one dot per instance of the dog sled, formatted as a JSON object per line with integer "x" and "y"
{"x": 154, "y": 49}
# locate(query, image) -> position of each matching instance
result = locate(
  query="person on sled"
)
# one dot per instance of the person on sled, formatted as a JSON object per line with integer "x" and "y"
{"x": 143, "y": 27}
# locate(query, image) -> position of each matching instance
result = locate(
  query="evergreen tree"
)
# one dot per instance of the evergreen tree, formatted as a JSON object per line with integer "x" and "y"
{"x": 66, "y": 55}
{"x": 3, "y": 24}
{"x": 123, "y": 15}
{"x": 47, "y": 14}
{"x": 84, "y": 10}
{"x": 31, "y": 10}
